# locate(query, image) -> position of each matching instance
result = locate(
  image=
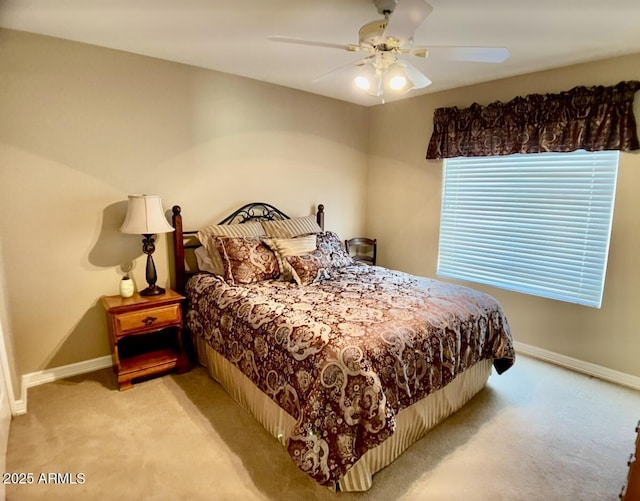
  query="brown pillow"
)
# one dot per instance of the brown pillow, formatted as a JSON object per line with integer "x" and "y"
{"x": 246, "y": 260}
{"x": 249, "y": 229}
{"x": 310, "y": 268}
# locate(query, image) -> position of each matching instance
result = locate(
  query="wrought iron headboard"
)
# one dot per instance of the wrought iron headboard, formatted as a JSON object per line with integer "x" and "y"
{"x": 253, "y": 211}
{"x": 187, "y": 239}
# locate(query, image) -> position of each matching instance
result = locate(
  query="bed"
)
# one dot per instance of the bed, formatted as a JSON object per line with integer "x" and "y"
{"x": 344, "y": 363}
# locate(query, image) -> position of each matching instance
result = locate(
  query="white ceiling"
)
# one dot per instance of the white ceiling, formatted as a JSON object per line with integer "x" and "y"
{"x": 231, "y": 36}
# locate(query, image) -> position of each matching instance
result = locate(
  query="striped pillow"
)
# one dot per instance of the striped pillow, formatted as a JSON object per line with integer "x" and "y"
{"x": 251, "y": 229}
{"x": 289, "y": 228}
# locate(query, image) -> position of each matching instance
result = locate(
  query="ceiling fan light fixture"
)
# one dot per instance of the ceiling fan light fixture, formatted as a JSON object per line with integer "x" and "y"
{"x": 397, "y": 78}
{"x": 362, "y": 82}
{"x": 416, "y": 77}
{"x": 368, "y": 80}
{"x": 377, "y": 78}
{"x": 398, "y": 82}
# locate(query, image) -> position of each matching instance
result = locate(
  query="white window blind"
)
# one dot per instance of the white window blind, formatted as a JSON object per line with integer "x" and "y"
{"x": 537, "y": 223}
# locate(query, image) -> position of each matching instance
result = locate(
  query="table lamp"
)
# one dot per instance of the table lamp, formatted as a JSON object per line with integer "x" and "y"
{"x": 145, "y": 217}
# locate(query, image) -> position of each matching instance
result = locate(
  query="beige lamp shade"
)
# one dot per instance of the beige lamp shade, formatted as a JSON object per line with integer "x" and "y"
{"x": 145, "y": 216}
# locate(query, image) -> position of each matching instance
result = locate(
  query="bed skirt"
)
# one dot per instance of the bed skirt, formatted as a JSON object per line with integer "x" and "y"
{"x": 412, "y": 423}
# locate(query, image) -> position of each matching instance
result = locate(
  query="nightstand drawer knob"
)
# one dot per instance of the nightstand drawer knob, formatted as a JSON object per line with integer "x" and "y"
{"x": 149, "y": 320}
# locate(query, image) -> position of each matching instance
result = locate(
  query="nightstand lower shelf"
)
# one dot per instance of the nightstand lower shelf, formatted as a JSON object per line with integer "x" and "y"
{"x": 147, "y": 364}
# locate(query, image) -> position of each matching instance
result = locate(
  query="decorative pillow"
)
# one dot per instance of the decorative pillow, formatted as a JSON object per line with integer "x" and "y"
{"x": 285, "y": 247}
{"x": 246, "y": 260}
{"x": 310, "y": 268}
{"x": 205, "y": 263}
{"x": 250, "y": 229}
{"x": 289, "y": 228}
{"x": 332, "y": 245}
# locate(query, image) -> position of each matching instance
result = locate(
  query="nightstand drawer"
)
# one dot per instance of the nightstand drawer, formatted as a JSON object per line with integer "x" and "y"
{"x": 145, "y": 321}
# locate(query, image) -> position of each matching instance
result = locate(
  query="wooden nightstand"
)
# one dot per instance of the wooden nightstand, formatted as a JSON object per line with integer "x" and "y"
{"x": 631, "y": 489}
{"x": 146, "y": 335}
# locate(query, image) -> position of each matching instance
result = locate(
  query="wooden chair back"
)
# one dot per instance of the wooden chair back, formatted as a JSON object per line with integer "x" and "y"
{"x": 362, "y": 249}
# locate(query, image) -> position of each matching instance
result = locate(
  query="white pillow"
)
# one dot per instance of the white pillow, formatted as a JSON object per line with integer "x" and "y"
{"x": 205, "y": 263}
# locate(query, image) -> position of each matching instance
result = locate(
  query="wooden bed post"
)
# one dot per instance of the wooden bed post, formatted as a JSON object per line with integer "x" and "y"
{"x": 320, "y": 216}
{"x": 178, "y": 248}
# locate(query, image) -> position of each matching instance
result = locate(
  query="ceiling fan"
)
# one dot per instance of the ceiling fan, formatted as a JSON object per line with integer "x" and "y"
{"x": 389, "y": 41}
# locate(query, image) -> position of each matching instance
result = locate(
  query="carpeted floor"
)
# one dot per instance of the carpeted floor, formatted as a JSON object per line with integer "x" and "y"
{"x": 538, "y": 432}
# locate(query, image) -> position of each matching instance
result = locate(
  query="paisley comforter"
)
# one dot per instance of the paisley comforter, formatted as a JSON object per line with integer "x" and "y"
{"x": 343, "y": 356}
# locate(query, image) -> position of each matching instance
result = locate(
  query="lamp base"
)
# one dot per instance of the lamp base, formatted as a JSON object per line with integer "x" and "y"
{"x": 152, "y": 290}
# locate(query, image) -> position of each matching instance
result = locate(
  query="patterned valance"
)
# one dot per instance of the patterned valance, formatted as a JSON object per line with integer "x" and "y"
{"x": 589, "y": 118}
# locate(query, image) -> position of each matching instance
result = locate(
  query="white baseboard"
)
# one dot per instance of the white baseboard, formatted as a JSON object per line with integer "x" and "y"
{"x": 49, "y": 375}
{"x": 579, "y": 366}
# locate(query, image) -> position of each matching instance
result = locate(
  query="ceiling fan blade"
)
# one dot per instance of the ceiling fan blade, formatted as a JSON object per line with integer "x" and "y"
{"x": 298, "y": 41}
{"x": 342, "y": 68}
{"x": 415, "y": 51}
{"x": 405, "y": 20}
{"x": 476, "y": 54}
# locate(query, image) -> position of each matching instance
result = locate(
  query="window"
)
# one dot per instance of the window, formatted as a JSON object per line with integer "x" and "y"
{"x": 536, "y": 223}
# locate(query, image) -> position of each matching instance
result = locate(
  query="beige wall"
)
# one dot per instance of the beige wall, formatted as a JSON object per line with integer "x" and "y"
{"x": 403, "y": 211}
{"x": 83, "y": 127}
